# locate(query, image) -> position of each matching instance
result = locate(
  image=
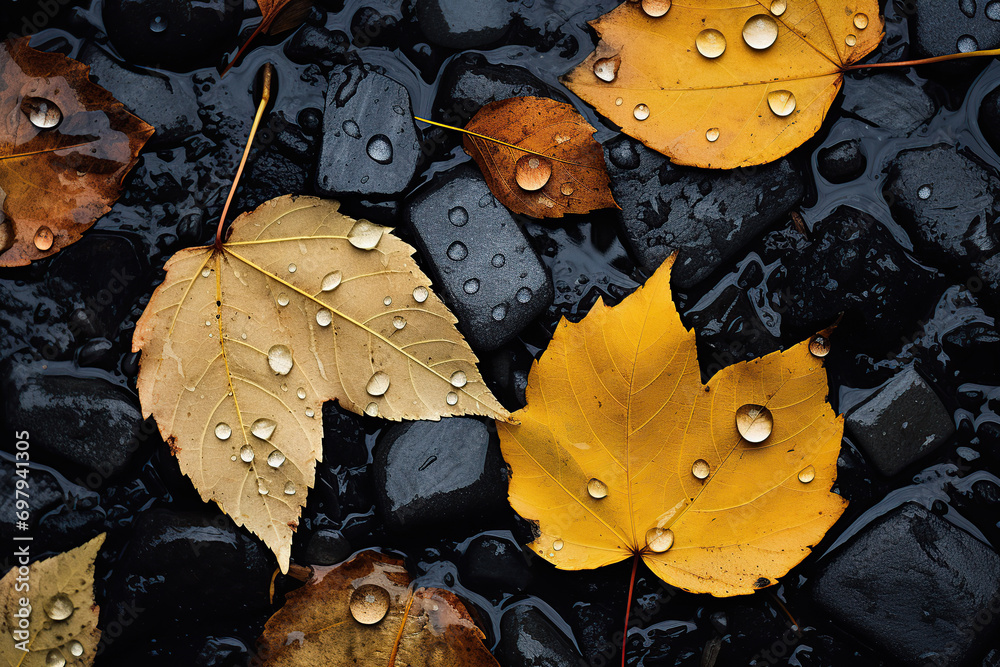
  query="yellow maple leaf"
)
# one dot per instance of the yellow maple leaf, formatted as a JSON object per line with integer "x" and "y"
{"x": 622, "y": 450}
{"x": 242, "y": 344}
{"x": 725, "y": 83}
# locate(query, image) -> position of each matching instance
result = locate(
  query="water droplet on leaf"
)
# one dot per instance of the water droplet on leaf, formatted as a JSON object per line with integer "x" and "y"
{"x": 282, "y": 299}
{"x": 819, "y": 346}
{"x": 967, "y": 44}
{"x": 655, "y": 8}
{"x": 925, "y": 191}
{"x": 606, "y": 69}
{"x": 700, "y": 469}
{"x": 42, "y": 113}
{"x": 263, "y": 428}
{"x": 301, "y": 393}
{"x": 459, "y": 379}
{"x": 532, "y": 172}
{"x": 44, "y": 238}
{"x": 324, "y": 317}
{"x": 371, "y": 409}
{"x": 754, "y": 422}
{"x": 369, "y": 604}
{"x": 75, "y": 648}
{"x": 158, "y": 23}
{"x": 597, "y": 489}
{"x": 223, "y": 431}
{"x": 451, "y": 398}
{"x": 659, "y": 539}
{"x": 279, "y": 358}
{"x": 275, "y": 459}
{"x": 289, "y": 489}
{"x": 860, "y": 21}
{"x": 851, "y": 40}
{"x": 246, "y": 453}
{"x": 712, "y": 134}
{"x": 54, "y": 658}
{"x": 331, "y": 281}
{"x": 782, "y": 102}
{"x": 566, "y": 189}
{"x": 557, "y": 545}
{"x": 59, "y": 607}
{"x": 524, "y": 295}
{"x": 807, "y": 474}
{"x": 399, "y": 322}
{"x": 420, "y": 294}
{"x": 641, "y": 112}
{"x": 710, "y": 43}
{"x": 378, "y": 384}
{"x": 499, "y": 260}
{"x": 778, "y": 7}
{"x": 292, "y": 268}
{"x": 364, "y": 235}
{"x": 760, "y": 31}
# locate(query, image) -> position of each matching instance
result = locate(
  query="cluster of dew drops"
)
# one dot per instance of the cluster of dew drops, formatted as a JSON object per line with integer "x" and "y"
{"x": 754, "y": 424}
{"x": 59, "y": 608}
{"x": 44, "y": 115}
{"x": 759, "y": 33}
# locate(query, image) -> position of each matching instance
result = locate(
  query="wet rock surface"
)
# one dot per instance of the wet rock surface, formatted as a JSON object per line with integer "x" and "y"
{"x": 528, "y": 639}
{"x": 949, "y": 27}
{"x": 892, "y": 102}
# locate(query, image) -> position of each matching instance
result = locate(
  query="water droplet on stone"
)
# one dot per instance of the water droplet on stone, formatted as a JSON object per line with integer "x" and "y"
{"x": 459, "y": 379}
{"x": 819, "y": 346}
{"x": 778, "y": 7}
{"x": 712, "y": 134}
{"x": 925, "y": 191}
{"x": 597, "y": 489}
{"x": 364, "y": 235}
{"x": 710, "y": 43}
{"x": 606, "y": 69}
{"x": 499, "y": 312}
{"x": 380, "y": 149}
{"x": 420, "y": 294}
{"x": 371, "y": 409}
{"x": 641, "y": 112}
{"x": 524, "y": 295}
{"x": 279, "y": 358}
{"x": 324, "y": 317}
{"x": 782, "y": 102}
{"x": 532, "y": 172}
{"x": 275, "y": 459}
{"x": 292, "y": 268}
{"x": 655, "y": 8}
{"x": 557, "y": 545}
{"x": 351, "y": 129}
{"x": 263, "y": 428}
{"x": 860, "y": 21}
{"x": 451, "y": 398}
{"x": 289, "y": 489}
{"x": 331, "y": 281}
{"x": 399, "y": 322}
{"x": 54, "y": 658}
{"x": 760, "y": 31}
{"x": 851, "y": 40}
{"x": 282, "y": 299}
{"x": 458, "y": 216}
{"x": 457, "y": 251}
{"x": 754, "y": 422}
{"x": 369, "y": 604}
{"x": 75, "y": 648}
{"x": 301, "y": 393}
{"x": 246, "y": 453}
{"x": 807, "y": 474}
{"x": 993, "y": 10}
{"x": 967, "y": 43}
{"x": 471, "y": 286}
{"x": 659, "y": 539}
{"x": 223, "y": 431}
{"x": 499, "y": 260}
{"x": 59, "y": 607}
{"x": 44, "y": 238}
{"x": 378, "y": 384}
{"x": 566, "y": 189}
{"x": 158, "y": 23}
{"x": 42, "y": 113}
{"x": 206, "y": 272}
{"x": 700, "y": 469}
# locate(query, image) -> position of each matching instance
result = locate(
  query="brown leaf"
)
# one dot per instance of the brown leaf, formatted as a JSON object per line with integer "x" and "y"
{"x": 421, "y": 628}
{"x": 569, "y": 175}
{"x": 281, "y": 15}
{"x": 62, "y": 172}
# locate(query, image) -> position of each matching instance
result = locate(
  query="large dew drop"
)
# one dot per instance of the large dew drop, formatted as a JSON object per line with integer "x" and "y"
{"x": 754, "y": 422}
{"x": 364, "y": 235}
{"x": 606, "y": 69}
{"x": 597, "y": 489}
{"x": 659, "y": 540}
{"x": 640, "y": 112}
{"x": 75, "y": 648}
{"x": 223, "y": 431}
{"x": 369, "y": 604}
{"x": 246, "y": 453}
{"x": 457, "y": 251}
{"x": 807, "y": 474}
{"x": 420, "y": 294}
{"x": 289, "y": 489}
{"x": 458, "y": 216}
{"x": 54, "y": 658}
{"x": 380, "y": 149}
{"x": 451, "y": 398}
{"x": 44, "y": 238}
{"x": 760, "y": 31}
{"x": 778, "y": 7}
{"x": 712, "y": 134}
{"x": 282, "y": 299}
{"x": 860, "y": 21}
{"x": 275, "y": 459}
{"x": 656, "y": 8}
{"x": 263, "y": 428}
{"x": 378, "y": 384}
{"x": 710, "y": 43}
{"x": 819, "y": 346}
{"x": 557, "y": 545}
{"x": 59, "y": 607}
{"x": 398, "y": 322}
{"x": 700, "y": 469}
{"x": 459, "y": 379}
{"x": 371, "y": 409}
{"x": 782, "y": 102}
{"x": 42, "y": 113}
{"x": 532, "y": 172}
{"x": 324, "y": 317}
{"x": 331, "y": 281}
{"x": 279, "y": 358}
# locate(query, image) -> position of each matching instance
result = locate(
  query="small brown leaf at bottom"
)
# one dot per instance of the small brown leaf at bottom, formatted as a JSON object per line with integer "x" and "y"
{"x": 568, "y": 177}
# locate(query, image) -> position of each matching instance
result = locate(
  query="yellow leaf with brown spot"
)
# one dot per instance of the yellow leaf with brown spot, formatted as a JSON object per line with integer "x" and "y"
{"x": 725, "y": 83}
{"x": 622, "y": 450}
{"x": 302, "y": 304}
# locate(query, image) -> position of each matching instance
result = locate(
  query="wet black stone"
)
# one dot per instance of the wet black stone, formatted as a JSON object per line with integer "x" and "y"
{"x": 492, "y": 564}
{"x": 98, "y": 352}
{"x": 311, "y": 44}
{"x": 529, "y": 639}
{"x": 171, "y": 33}
{"x": 939, "y": 25}
{"x": 168, "y": 104}
{"x": 954, "y": 220}
{"x": 327, "y": 547}
{"x": 86, "y": 421}
{"x": 481, "y": 261}
{"x": 364, "y": 107}
{"x": 188, "y": 570}
{"x": 45, "y": 493}
{"x": 901, "y": 423}
{"x": 436, "y": 475}
{"x": 916, "y": 586}
{"x": 310, "y": 120}
{"x": 272, "y": 175}
{"x": 71, "y": 528}
{"x": 842, "y": 162}
{"x": 989, "y": 118}
{"x": 708, "y": 215}
{"x": 888, "y": 100}
{"x": 459, "y": 24}
{"x": 370, "y": 27}
{"x": 594, "y": 626}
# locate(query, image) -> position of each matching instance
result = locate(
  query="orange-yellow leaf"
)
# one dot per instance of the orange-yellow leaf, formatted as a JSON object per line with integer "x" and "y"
{"x": 319, "y": 623}
{"x": 241, "y": 346}
{"x": 621, "y": 447}
{"x": 564, "y": 172}
{"x": 744, "y": 107}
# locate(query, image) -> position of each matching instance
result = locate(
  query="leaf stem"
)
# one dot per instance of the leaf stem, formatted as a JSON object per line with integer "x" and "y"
{"x": 926, "y": 61}
{"x": 628, "y": 603}
{"x": 260, "y": 28}
{"x": 502, "y": 143}
{"x": 265, "y": 97}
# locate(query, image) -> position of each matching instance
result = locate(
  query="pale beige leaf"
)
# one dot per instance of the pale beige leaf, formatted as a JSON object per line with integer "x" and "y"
{"x": 63, "y": 616}
{"x": 207, "y": 333}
